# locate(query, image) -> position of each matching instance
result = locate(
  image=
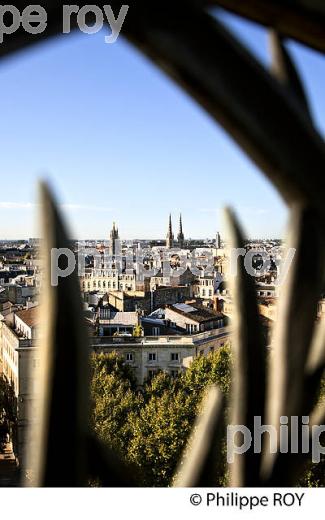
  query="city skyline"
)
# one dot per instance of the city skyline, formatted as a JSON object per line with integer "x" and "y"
{"x": 110, "y": 160}
{"x": 177, "y": 228}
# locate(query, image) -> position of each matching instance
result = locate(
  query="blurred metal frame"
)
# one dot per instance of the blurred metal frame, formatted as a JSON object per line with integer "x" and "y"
{"x": 267, "y": 114}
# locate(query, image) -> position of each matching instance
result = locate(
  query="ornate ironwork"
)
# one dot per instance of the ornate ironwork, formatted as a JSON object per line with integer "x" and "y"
{"x": 267, "y": 114}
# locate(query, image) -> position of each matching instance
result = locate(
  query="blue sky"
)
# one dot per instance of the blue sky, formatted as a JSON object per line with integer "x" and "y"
{"x": 120, "y": 141}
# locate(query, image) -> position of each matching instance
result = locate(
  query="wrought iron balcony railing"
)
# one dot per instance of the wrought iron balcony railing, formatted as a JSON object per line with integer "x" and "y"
{"x": 267, "y": 114}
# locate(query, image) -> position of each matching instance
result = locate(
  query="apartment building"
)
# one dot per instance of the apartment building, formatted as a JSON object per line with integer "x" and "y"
{"x": 172, "y": 354}
{"x": 20, "y": 359}
{"x": 192, "y": 318}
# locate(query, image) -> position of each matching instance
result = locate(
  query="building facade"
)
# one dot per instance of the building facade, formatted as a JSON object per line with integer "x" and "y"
{"x": 172, "y": 354}
{"x": 192, "y": 319}
{"x": 105, "y": 280}
{"x": 20, "y": 361}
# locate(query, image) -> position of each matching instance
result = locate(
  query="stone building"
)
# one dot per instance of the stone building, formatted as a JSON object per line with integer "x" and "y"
{"x": 172, "y": 354}
{"x": 184, "y": 278}
{"x": 104, "y": 280}
{"x": 148, "y": 301}
{"x": 168, "y": 295}
{"x": 115, "y": 322}
{"x": 204, "y": 287}
{"x": 130, "y": 301}
{"x": 20, "y": 360}
{"x": 193, "y": 318}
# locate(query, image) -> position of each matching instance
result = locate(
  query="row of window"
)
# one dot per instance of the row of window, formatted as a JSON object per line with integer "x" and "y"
{"x": 103, "y": 285}
{"x": 152, "y": 356}
{"x": 208, "y": 292}
{"x": 91, "y": 275}
{"x": 94, "y": 284}
{"x": 190, "y": 327}
{"x": 123, "y": 277}
{"x": 206, "y": 282}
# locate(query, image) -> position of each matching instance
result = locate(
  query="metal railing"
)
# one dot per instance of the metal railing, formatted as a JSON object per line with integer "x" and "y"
{"x": 267, "y": 114}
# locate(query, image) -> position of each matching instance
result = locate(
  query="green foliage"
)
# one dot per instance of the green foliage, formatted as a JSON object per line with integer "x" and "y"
{"x": 314, "y": 475}
{"x": 159, "y": 435}
{"x": 114, "y": 399}
{"x": 7, "y": 401}
{"x": 207, "y": 370}
{"x": 137, "y": 331}
{"x": 150, "y": 427}
{"x": 156, "y": 386}
{"x": 112, "y": 364}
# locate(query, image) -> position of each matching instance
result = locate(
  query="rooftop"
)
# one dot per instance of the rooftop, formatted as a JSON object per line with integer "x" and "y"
{"x": 29, "y": 316}
{"x": 120, "y": 318}
{"x": 161, "y": 341}
{"x": 196, "y": 313}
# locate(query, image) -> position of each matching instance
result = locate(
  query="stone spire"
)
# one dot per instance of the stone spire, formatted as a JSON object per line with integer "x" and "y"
{"x": 218, "y": 240}
{"x": 180, "y": 236}
{"x": 114, "y": 232}
{"x": 113, "y": 236}
{"x": 170, "y": 236}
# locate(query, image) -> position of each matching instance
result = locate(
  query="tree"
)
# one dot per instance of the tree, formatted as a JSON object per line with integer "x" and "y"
{"x": 150, "y": 428}
{"x": 171, "y": 406}
{"x": 8, "y": 408}
{"x": 113, "y": 364}
{"x": 160, "y": 432}
{"x": 215, "y": 368}
{"x": 113, "y": 399}
{"x": 314, "y": 475}
{"x": 7, "y": 400}
{"x": 158, "y": 384}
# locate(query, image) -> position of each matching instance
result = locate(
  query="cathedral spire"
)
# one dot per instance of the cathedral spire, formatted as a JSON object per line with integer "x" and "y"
{"x": 180, "y": 236}
{"x": 170, "y": 236}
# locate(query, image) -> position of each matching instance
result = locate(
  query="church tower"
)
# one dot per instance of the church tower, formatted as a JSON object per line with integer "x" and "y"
{"x": 113, "y": 236}
{"x": 218, "y": 240}
{"x": 170, "y": 236}
{"x": 180, "y": 236}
